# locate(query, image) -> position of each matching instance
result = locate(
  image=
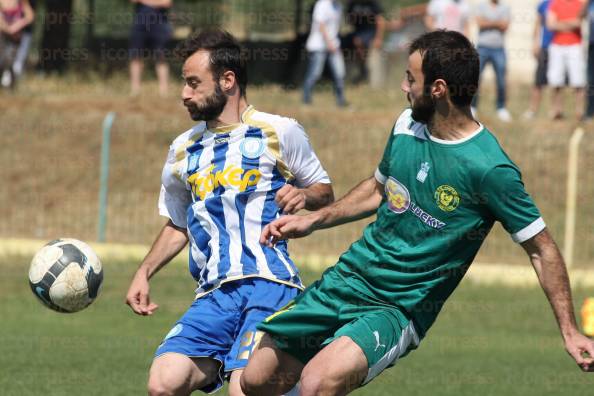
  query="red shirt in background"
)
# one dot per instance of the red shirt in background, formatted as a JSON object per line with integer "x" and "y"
{"x": 565, "y": 10}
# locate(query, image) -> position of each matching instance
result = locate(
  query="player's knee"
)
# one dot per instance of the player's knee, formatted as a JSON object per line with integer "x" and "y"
{"x": 250, "y": 383}
{"x": 311, "y": 384}
{"x": 315, "y": 382}
{"x": 163, "y": 383}
{"x": 158, "y": 388}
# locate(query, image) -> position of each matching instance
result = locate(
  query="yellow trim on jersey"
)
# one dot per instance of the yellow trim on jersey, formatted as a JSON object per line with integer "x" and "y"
{"x": 271, "y": 139}
{"x": 224, "y": 128}
{"x": 234, "y": 278}
{"x": 180, "y": 154}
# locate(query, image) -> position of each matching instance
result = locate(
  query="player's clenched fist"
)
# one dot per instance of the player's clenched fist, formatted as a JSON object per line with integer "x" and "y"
{"x": 290, "y": 199}
{"x": 138, "y": 296}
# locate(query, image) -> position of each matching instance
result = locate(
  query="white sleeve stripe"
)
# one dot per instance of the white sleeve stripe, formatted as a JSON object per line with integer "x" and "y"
{"x": 380, "y": 177}
{"x": 529, "y": 231}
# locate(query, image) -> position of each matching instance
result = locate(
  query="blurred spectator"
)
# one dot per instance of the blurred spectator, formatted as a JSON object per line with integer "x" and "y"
{"x": 564, "y": 19}
{"x": 369, "y": 25}
{"x": 493, "y": 19}
{"x": 541, "y": 39}
{"x": 15, "y": 16}
{"x": 323, "y": 43}
{"x": 149, "y": 36}
{"x": 589, "y": 14}
{"x": 448, "y": 14}
{"x": 21, "y": 56}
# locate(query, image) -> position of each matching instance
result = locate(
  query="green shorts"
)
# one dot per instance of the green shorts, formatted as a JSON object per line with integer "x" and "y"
{"x": 329, "y": 309}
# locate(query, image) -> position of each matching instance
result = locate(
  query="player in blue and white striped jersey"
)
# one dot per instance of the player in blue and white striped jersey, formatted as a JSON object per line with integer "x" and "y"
{"x": 224, "y": 180}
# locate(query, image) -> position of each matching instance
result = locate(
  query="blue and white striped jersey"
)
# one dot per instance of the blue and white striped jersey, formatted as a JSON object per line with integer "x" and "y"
{"x": 220, "y": 184}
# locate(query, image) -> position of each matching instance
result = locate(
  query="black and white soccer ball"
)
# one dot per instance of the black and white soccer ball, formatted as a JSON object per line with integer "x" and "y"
{"x": 66, "y": 275}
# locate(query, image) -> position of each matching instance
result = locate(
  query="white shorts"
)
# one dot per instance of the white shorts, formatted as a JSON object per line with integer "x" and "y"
{"x": 566, "y": 59}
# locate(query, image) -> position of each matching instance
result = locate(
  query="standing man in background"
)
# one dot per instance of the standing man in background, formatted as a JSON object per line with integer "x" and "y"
{"x": 369, "y": 26}
{"x": 541, "y": 40}
{"x": 566, "y": 57}
{"x": 15, "y": 16}
{"x": 150, "y": 33}
{"x": 493, "y": 19}
{"x": 448, "y": 14}
{"x": 20, "y": 59}
{"x": 324, "y": 43}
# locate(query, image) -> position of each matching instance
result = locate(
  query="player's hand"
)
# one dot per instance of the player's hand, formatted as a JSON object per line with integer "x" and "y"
{"x": 581, "y": 349}
{"x": 286, "y": 227}
{"x": 290, "y": 199}
{"x": 138, "y": 296}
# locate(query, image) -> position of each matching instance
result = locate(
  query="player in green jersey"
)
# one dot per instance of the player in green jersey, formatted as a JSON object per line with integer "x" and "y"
{"x": 442, "y": 183}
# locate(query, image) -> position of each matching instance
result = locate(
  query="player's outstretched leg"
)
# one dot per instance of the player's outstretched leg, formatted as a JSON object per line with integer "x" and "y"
{"x": 177, "y": 374}
{"x": 338, "y": 369}
{"x": 270, "y": 371}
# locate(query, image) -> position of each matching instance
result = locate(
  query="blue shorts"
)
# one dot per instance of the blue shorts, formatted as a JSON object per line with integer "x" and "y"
{"x": 366, "y": 36}
{"x": 222, "y": 324}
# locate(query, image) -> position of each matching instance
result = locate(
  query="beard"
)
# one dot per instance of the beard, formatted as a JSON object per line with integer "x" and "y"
{"x": 211, "y": 108}
{"x": 422, "y": 109}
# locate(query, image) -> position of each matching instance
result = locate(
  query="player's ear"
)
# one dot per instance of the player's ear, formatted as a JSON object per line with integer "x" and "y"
{"x": 439, "y": 89}
{"x": 227, "y": 80}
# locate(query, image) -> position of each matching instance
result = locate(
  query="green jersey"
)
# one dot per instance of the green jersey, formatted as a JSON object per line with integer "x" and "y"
{"x": 441, "y": 200}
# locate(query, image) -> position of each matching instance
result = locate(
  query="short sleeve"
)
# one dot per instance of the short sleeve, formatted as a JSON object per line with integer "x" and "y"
{"x": 320, "y": 13}
{"x": 465, "y": 11}
{"x": 174, "y": 198}
{"x": 481, "y": 11}
{"x": 507, "y": 13}
{"x": 383, "y": 170}
{"x": 300, "y": 157}
{"x": 509, "y": 203}
{"x": 553, "y": 7}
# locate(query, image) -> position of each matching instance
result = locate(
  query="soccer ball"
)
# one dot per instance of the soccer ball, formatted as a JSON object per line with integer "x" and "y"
{"x": 66, "y": 275}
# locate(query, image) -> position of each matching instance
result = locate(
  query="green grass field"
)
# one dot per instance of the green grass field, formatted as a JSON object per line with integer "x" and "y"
{"x": 488, "y": 341}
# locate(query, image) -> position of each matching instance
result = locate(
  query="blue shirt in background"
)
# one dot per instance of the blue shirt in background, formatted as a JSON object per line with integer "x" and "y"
{"x": 546, "y": 34}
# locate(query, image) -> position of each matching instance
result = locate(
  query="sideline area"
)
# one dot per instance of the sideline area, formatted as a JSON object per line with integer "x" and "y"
{"x": 479, "y": 273}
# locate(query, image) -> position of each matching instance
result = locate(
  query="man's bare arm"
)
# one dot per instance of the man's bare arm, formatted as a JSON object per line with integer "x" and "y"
{"x": 292, "y": 199}
{"x": 170, "y": 241}
{"x": 552, "y": 274}
{"x": 553, "y": 24}
{"x": 362, "y": 201}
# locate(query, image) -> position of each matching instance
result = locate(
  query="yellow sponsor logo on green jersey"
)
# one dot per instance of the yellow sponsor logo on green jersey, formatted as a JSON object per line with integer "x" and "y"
{"x": 447, "y": 198}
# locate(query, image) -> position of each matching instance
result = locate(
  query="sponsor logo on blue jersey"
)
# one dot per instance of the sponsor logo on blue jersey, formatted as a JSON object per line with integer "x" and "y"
{"x": 231, "y": 176}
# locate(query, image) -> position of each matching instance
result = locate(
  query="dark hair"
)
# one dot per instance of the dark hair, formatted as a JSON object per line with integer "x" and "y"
{"x": 450, "y": 56}
{"x": 225, "y": 54}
